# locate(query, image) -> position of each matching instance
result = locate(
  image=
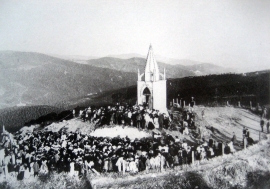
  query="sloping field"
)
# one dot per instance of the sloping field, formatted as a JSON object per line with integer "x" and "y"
{"x": 229, "y": 119}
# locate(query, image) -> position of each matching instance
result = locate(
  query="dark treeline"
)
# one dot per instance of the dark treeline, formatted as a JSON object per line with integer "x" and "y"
{"x": 211, "y": 89}
{"x": 221, "y": 88}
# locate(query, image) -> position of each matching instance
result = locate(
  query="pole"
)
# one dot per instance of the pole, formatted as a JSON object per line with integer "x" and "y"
{"x": 222, "y": 149}
{"x": 192, "y": 157}
{"x": 245, "y": 143}
{"x": 184, "y": 104}
{"x": 250, "y": 103}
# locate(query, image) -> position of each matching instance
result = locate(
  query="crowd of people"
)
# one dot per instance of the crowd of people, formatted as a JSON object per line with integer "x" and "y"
{"x": 138, "y": 116}
{"x": 40, "y": 152}
{"x": 79, "y": 154}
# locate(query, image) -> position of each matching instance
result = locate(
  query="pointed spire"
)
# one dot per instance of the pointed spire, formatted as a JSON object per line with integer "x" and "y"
{"x": 151, "y": 68}
{"x": 150, "y": 47}
{"x": 164, "y": 74}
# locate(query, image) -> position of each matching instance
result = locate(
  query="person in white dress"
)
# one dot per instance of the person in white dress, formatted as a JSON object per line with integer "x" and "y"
{"x": 72, "y": 172}
{"x": 44, "y": 167}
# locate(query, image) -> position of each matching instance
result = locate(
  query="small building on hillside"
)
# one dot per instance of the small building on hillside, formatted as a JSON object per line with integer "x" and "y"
{"x": 151, "y": 85}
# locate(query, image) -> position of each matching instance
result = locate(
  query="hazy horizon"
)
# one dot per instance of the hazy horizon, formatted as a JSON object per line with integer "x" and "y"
{"x": 227, "y": 33}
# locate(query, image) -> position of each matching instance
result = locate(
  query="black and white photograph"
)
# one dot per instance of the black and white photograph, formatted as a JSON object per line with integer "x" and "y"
{"x": 134, "y": 94}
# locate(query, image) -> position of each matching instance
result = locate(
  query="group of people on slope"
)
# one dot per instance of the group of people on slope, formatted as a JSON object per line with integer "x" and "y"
{"x": 77, "y": 154}
{"x": 137, "y": 116}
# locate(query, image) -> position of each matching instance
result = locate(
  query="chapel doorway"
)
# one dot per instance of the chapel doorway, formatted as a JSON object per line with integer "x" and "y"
{"x": 147, "y": 97}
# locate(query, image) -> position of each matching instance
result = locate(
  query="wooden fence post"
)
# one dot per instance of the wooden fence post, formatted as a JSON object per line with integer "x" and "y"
{"x": 250, "y": 103}
{"x": 239, "y": 104}
{"x": 245, "y": 143}
{"x": 192, "y": 157}
{"x": 184, "y": 104}
{"x": 222, "y": 146}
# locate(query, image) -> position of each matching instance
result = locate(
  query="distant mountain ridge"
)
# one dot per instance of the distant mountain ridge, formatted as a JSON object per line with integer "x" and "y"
{"x": 28, "y": 78}
{"x": 172, "y": 71}
{"x": 173, "y": 61}
{"x": 133, "y": 64}
{"x": 38, "y": 79}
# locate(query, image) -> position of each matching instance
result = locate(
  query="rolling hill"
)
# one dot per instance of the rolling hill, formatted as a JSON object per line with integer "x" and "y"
{"x": 172, "y": 71}
{"x": 28, "y": 78}
{"x": 38, "y": 79}
{"x": 133, "y": 64}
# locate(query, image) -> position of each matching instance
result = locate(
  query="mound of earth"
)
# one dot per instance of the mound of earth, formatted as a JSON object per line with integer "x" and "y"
{"x": 115, "y": 131}
{"x": 72, "y": 125}
{"x": 89, "y": 128}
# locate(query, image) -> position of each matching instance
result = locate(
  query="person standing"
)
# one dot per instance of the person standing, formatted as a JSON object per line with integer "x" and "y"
{"x": 234, "y": 139}
{"x": 192, "y": 104}
{"x": 36, "y": 168}
{"x": 161, "y": 121}
{"x": 267, "y": 125}
{"x": 202, "y": 113}
{"x": 20, "y": 176}
{"x": 262, "y": 124}
{"x": 139, "y": 120}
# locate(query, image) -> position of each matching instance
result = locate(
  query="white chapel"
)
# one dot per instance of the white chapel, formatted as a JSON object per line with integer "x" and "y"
{"x": 151, "y": 89}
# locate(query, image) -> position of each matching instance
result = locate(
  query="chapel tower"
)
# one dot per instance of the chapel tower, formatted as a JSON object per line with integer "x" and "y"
{"x": 151, "y": 89}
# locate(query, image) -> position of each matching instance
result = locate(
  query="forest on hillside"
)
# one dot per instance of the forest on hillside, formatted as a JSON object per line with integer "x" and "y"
{"x": 222, "y": 88}
{"x": 210, "y": 89}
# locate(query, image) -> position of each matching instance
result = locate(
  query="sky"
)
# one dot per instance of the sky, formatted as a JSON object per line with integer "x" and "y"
{"x": 231, "y": 33}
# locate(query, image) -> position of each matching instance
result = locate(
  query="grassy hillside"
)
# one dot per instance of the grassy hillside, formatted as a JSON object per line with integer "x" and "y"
{"x": 14, "y": 118}
{"x": 38, "y": 79}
